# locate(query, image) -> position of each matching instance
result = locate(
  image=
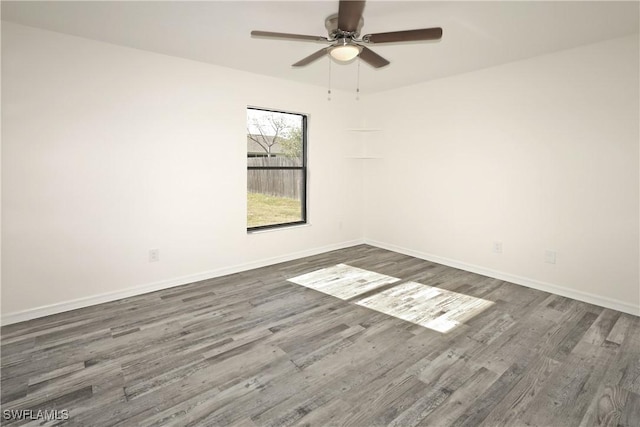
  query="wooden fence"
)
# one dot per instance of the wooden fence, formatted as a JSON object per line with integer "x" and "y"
{"x": 279, "y": 183}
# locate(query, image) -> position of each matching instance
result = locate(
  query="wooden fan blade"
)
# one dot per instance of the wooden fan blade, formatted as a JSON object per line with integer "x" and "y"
{"x": 287, "y": 36}
{"x": 349, "y": 14}
{"x": 404, "y": 36}
{"x": 372, "y": 58}
{"x": 313, "y": 57}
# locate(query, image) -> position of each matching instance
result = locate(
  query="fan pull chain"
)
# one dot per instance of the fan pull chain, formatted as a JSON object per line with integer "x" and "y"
{"x": 329, "y": 90}
{"x": 358, "y": 83}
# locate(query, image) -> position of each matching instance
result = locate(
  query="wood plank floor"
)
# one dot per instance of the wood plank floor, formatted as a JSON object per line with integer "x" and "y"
{"x": 253, "y": 349}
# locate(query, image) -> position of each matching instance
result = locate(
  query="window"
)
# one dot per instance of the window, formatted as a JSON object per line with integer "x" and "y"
{"x": 276, "y": 169}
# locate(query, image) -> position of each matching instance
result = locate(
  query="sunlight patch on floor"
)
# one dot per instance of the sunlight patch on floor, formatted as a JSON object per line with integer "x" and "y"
{"x": 343, "y": 281}
{"x": 424, "y": 305}
{"x": 434, "y": 308}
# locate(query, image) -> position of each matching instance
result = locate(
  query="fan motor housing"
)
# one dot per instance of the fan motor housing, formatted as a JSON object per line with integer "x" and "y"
{"x": 331, "y": 24}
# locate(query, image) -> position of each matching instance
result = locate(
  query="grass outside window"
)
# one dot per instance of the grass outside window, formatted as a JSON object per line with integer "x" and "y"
{"x": 263, "y": 209}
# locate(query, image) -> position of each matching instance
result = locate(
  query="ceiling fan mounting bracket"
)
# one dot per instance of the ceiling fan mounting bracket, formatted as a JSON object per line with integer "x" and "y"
{"x": 331, "y": 24}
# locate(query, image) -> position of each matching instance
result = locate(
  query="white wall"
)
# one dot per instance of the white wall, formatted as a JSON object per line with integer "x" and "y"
{"x": 110, "y": 151}
{"x": 538, "y": 154}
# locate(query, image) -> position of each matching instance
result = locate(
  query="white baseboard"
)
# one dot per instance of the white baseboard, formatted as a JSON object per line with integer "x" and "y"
{"x": 587, "y": 297}
{"x": 46, "y": 310}
{"x": 33, "y": 313}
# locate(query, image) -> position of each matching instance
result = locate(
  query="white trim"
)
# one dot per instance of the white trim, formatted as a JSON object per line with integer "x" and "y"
{"x": 278, "y": 228}
{"x": 47, "y": 310}
{"x": 33, "y": 313}
{"x": 587, "y": 297}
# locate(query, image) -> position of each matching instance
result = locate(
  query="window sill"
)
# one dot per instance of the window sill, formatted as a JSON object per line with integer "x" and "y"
{"x": 284, "y": 227}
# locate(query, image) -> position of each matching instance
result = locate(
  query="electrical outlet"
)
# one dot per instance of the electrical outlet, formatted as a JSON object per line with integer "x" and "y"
{"x": 550, "y": 257}
{"x": 497, "y": 247}
{"x": 154, "y": 255}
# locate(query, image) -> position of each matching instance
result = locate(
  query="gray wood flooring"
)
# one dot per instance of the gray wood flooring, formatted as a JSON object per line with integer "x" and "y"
{"x": 253, "y": 349}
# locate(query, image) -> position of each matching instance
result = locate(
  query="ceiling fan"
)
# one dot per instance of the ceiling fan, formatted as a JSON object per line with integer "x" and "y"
{"x": 344, "y": 30}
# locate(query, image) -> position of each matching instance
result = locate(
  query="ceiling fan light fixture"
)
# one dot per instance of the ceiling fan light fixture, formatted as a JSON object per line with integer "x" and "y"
{"x": 345, "y": 51}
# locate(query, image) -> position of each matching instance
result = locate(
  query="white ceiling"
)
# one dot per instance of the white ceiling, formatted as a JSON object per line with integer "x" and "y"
{"x": 476, "y": 34}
